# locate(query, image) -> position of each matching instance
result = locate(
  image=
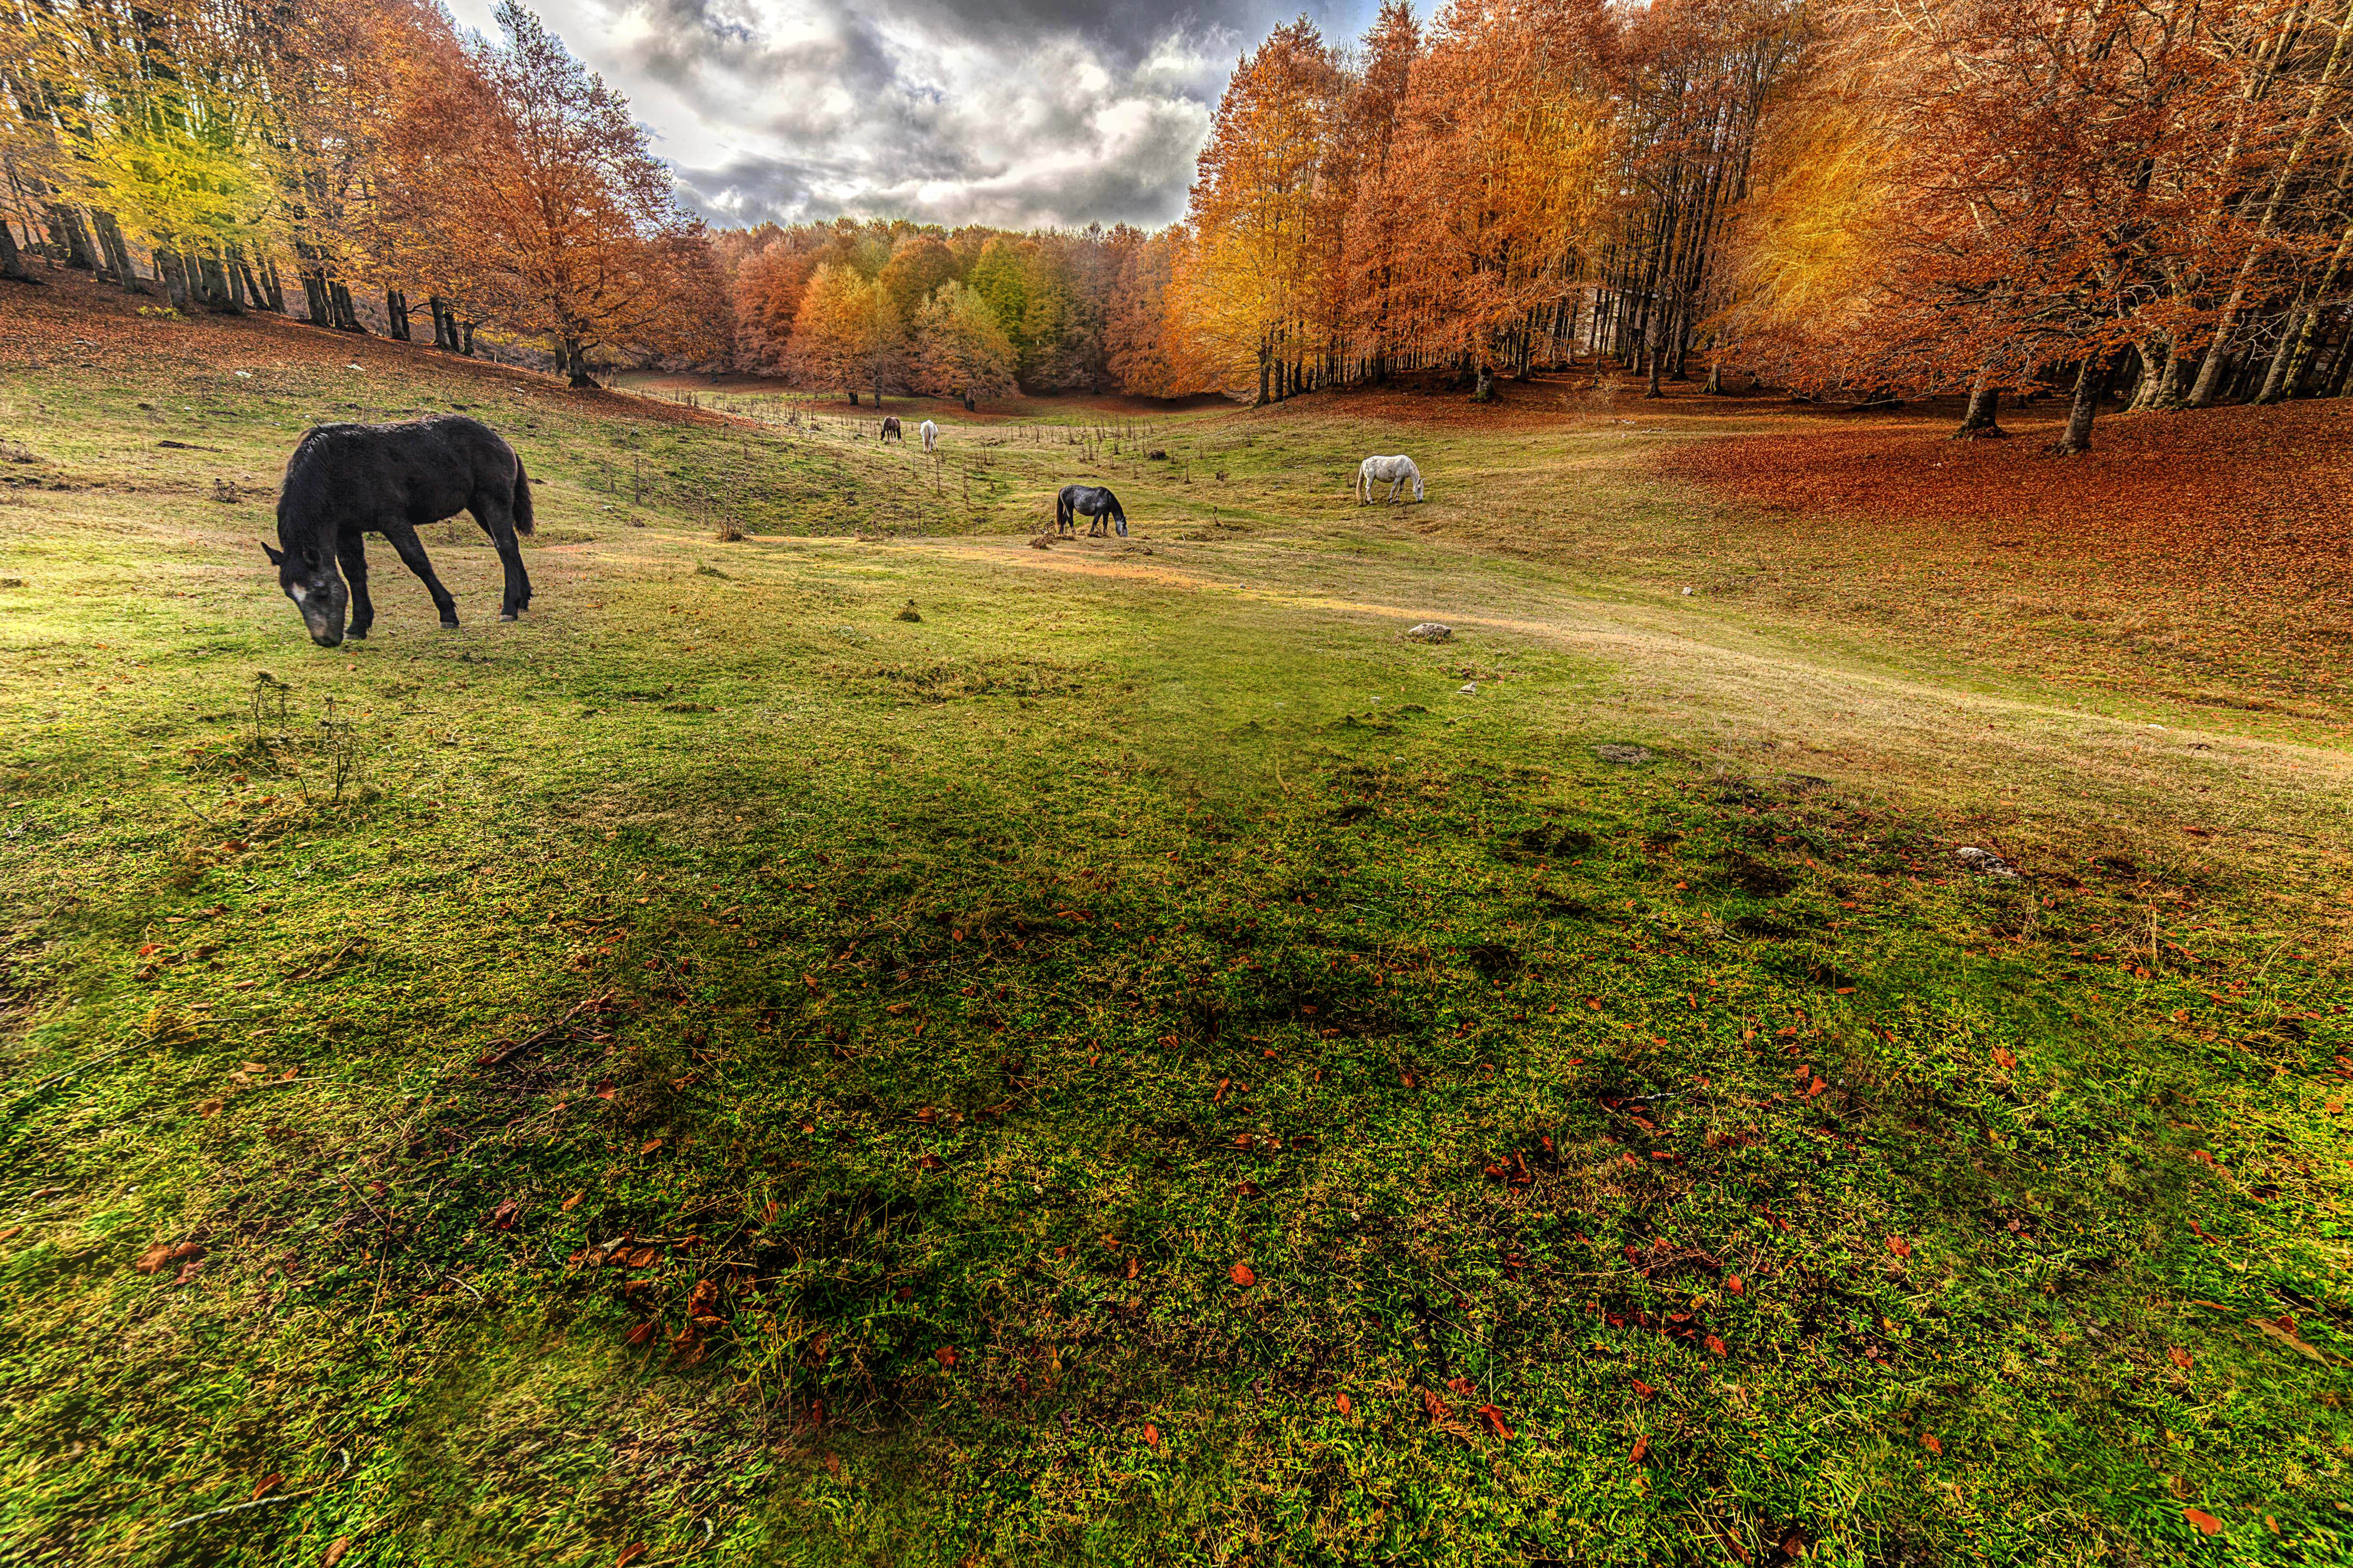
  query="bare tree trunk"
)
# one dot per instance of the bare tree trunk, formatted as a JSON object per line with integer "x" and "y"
{"x": 396, "y": 314}
{"x": 174, "y": 274}
{"x": 12, "y": 260}
{"x": 1978, "y": 423}
{"x": 214, "y": 277}
{"x": 2090, "y": 383}
{"x": 70, "y": 235}
{"x": 118, "y": 254}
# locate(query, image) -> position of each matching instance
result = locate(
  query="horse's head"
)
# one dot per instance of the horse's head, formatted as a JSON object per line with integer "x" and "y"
{"x": 311, "y": 580}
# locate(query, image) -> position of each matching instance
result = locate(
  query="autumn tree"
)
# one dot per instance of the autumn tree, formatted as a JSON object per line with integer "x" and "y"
{"x": 841, "y": 337}
{"x": 960, "y": 348}
{"x": 1252, "y": 287}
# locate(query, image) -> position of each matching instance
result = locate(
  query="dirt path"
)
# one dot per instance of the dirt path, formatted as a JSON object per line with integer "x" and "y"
{"x": 2044, "y": 769}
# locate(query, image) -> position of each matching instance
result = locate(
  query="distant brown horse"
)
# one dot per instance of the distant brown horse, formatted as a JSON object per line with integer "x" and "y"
{"x": 891, "y": 429}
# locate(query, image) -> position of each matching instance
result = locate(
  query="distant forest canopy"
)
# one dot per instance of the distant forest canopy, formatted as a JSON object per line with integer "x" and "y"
{"x": 1867, "y": 197}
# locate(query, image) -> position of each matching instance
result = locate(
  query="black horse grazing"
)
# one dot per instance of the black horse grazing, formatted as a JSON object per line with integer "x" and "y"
{"x": 344, "y": 480}
{"x": 890, "y": 427}
{"x": 1093, "y": 500}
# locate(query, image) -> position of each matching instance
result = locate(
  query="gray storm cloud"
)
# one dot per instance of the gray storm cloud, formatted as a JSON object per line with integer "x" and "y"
{"x": 1012, "y": 113}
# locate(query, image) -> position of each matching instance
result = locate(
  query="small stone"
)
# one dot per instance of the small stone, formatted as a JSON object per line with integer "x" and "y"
{"x": 1429, "y": 631}
{"x": 1470, "y": 690}
{"x": 1986, "y": 861}
{"x": 1622, "y": 754}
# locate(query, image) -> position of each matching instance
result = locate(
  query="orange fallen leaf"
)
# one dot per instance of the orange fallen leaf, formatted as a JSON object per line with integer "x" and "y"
{"x": 1241, "y": 1275}
{"x": 651, "y": 1144}
{"x": 2179, "y": 1357}
{"x": 1342, "y": 1403}
{"x": 1898, "y": 1246}
{"x": 1930, "y": 1441}
{"x": 945, "y": 1355}
{"x": 574, "y": 1201}
{"x": 1433, "y": 1407}
{"x": 2206, "y": 1523}
{"x": 12, "y": 1232}
{"x": 334, "y": 1552}
{"x": 1714, "y": 1345}
{"x": 1642, "y": 1446}
{"x": 1151, "y": 1435}
{"x": 641, "y": 1333}
{"x": 1644, "y": 1389}
{"x": 629, "y": 1554}
{"x": 265, "y": 1483}
{"x": 2003, "y": 1060}
{"x": 1495, "y": 1420}
{"x": 504, "y": 1216}
{"x": 1733, "y": 1283}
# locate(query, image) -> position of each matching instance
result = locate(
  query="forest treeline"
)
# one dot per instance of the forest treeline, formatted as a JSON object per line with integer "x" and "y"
{"x": 1864, "y": 198}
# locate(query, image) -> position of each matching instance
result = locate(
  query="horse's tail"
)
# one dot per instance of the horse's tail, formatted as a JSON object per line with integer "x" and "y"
{"x": 521, "y": 497}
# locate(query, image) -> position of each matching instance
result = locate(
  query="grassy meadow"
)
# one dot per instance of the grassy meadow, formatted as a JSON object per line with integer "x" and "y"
{"x": 871, "y": 1042}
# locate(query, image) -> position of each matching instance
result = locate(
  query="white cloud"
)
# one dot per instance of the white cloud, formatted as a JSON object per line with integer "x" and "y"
{"x": 1016, "y": 112}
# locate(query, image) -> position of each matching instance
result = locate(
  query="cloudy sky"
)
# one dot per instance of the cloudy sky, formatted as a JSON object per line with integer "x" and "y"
{"x": 1015, "y": 112}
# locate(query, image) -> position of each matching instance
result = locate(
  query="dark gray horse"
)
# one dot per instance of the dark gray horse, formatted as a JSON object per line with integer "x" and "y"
{"x": 344, "y": 480}
{"x": 893, "y": 430}
{"x": 1090, "y": 501}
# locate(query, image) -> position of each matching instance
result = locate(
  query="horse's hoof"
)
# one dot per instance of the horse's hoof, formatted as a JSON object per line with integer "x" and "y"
{"x": 450, "y": 623}
{"x": 507, "y": 614}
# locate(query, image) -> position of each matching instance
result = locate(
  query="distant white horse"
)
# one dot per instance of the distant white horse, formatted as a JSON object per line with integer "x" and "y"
{"x": 1396, "y": 470}
{"x": 931, "y": 434}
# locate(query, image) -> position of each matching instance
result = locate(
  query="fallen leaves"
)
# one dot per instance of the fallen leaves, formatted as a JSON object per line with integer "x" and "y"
{"x": 2203, "y": 1522}
{"x": 629, "y": 1554}
{"x": 262, "y": 1487}
{"x": 641, "y": 1333}
{"x": 1342, "y": 1403}
{"x": 335, "y": 1551}
{"x": 1242, "y": 1274}
{"x": 504, "y": 1216}
{"x": 1495, "y": 1423}
{"x": 1898, "y": 1246}
{"x": 574, "y": 1201}
{"x": 1151, "y": 1436}
{"x": 2003, "y": 1060}
{"x": 1931, "y": 1442}
{"x": 1642, "y": 1389}
{"x": 1714, "y": 1345}
{"x": 703, "y": 1301}
{"x": 188, "y": 1255}
{"x": 2284, "y": 1331}
{"x": 2179, "y": 1357}
{"x": 1642, "y": 1448}
{"x": 945, "y": 1355}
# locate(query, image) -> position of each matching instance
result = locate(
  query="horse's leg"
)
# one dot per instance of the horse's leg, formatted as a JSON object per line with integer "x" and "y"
{"x": 411, "y": 550}
{"x": 497, "y": 519}
{"x": 351, "y": 552}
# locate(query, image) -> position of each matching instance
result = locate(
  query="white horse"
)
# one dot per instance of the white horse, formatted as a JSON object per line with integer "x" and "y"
{"x": 931, "y": 434}
{"x": 1396, "y": 470}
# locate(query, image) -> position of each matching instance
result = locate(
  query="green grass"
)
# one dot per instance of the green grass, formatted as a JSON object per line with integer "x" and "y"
{"x": 890, "y": 1035}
